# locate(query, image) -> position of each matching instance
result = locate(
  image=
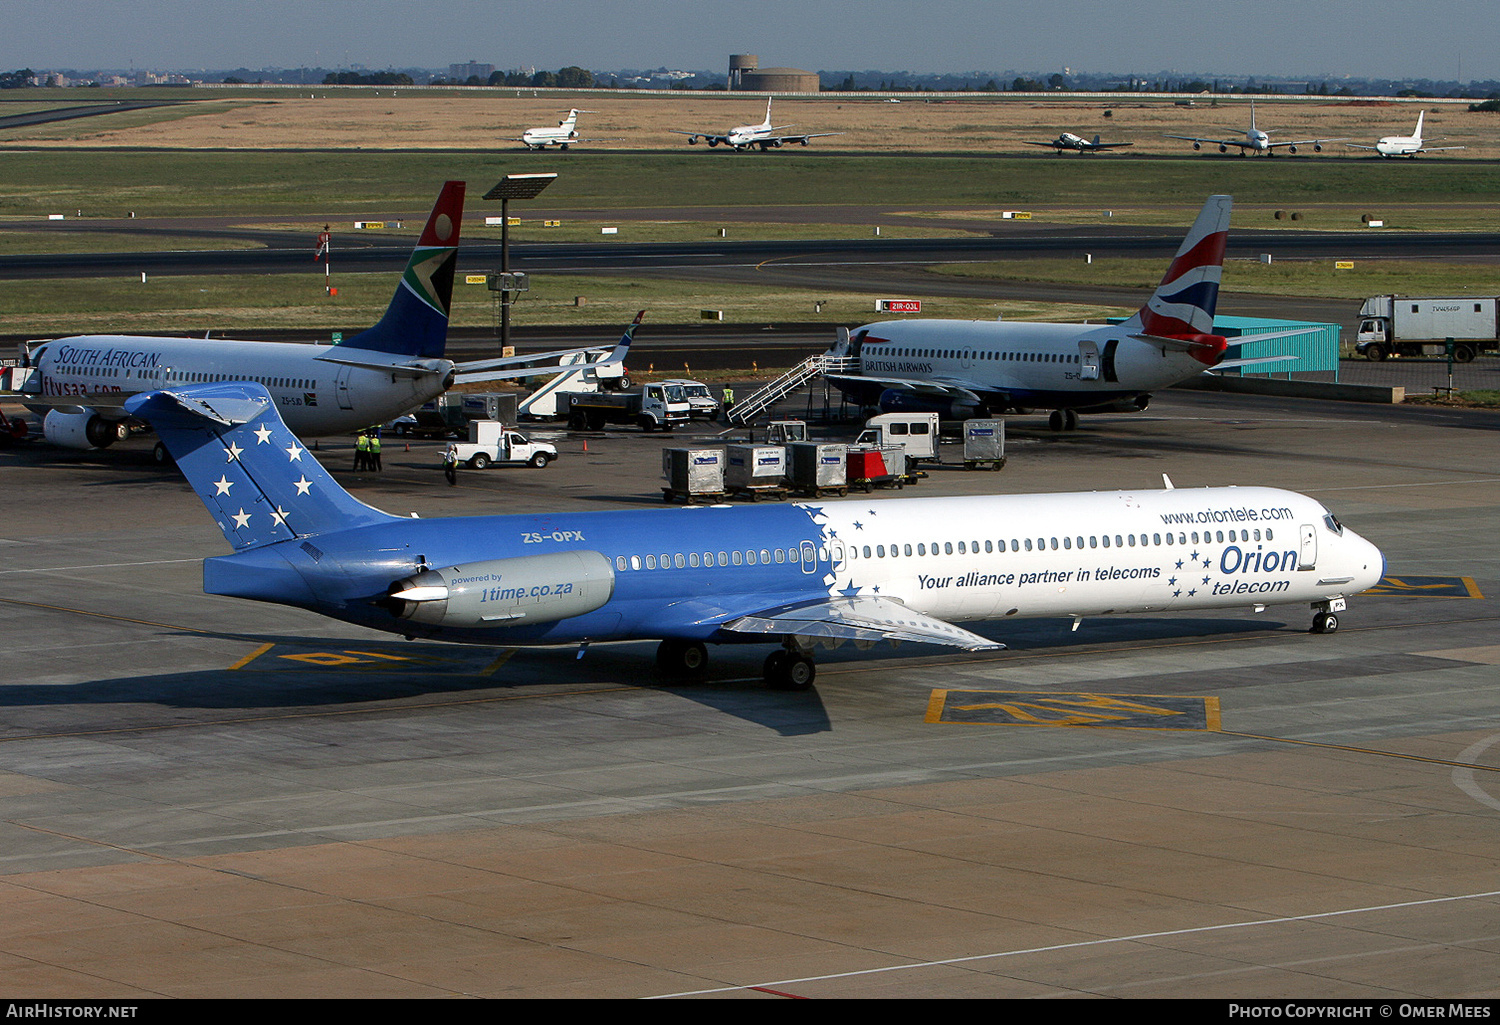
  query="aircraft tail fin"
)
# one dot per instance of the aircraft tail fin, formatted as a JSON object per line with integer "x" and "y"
{"x": 1418, "y": 133}
{"x": 416, "y": 322}
{"x": 1185, "y": 301}
{"x": 251, "y": 472}
{"x": 617, "y": 354}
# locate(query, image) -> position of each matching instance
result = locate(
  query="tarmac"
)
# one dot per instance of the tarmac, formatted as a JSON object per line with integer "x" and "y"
{"x": 204, "y": 797}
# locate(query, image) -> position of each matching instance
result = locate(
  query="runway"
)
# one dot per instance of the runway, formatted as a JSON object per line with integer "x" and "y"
{"x": 201, "y": 797}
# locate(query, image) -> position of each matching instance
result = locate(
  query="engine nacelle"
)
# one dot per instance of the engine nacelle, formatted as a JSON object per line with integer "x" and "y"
{"x": 894, "y": 400}
{"x": 82, "y": 430}
{"x": 506, "y": 592}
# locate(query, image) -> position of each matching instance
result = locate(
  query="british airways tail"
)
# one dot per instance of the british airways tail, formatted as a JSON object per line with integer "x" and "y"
{"x": 1183, "y": 304}
{"x": 416, "y": 322}
{"x": 257, "y": 481}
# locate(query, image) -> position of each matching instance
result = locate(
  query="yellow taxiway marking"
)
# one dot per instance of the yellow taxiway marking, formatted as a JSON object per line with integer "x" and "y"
{"x": 1427, "y": 587}
{"x": 1053, "y": 708}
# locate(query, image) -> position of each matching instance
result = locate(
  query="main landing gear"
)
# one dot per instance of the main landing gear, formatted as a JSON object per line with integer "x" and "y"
{"x": 1063, "y": 420}
{"x": 786, "y": 669}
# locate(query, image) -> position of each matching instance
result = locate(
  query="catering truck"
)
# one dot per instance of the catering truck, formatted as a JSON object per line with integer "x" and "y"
{"x": 1408, "y": 325}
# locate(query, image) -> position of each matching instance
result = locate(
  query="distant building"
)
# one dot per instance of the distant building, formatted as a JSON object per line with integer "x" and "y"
{"x": 746, "y": 75}
{"x": 464, "y": 72}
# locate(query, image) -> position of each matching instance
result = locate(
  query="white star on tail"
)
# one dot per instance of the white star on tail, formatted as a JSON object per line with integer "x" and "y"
{"x": 303, "y": 484}
{"x": 223, "y": 484}
{"x": 241, "y": 519}
{"x": 262, "y": 434}
{"x": 294, "y": 453}
{"x": 233, "y": 451}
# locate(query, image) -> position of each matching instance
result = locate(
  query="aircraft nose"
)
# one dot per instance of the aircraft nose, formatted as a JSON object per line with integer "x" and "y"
{"x": 1371, "y": 559}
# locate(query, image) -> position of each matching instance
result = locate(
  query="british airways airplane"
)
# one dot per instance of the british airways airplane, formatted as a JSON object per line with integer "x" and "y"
{"x": 795, "y": 575}
{"x": 79, "y": 384}
{"x": 965, "y": 368}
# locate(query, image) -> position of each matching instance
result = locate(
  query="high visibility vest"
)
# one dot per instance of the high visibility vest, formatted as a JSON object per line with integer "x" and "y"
{"x": 363, "y": 444}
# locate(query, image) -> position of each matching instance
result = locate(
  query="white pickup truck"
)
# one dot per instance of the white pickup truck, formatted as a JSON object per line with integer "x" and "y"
{"x": 491, "y": 442}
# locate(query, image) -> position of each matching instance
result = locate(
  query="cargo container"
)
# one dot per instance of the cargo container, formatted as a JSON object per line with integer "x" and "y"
{"x": 693, "y": 475}
{"x": 984, "y": 444}
{"x": 818, "y": 468}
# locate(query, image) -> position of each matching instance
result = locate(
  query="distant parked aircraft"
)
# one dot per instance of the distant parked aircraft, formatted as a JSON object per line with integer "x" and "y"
{"x": 562, "y": 136}
{"x": 1404, "y": 145}
{"x": 1256, "y": 140}
{"x": 1067, "y": 140}
{"x": 763, "y": 135}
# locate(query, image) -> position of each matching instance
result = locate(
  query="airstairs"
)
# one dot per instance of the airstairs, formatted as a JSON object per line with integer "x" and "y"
{"x": 762, "y": 399}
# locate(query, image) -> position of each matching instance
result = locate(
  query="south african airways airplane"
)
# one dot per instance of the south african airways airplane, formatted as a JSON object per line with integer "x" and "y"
{"x": 796, "y": 575}
{"x": 79, "y": 384}
{"x": 966, "y": 368}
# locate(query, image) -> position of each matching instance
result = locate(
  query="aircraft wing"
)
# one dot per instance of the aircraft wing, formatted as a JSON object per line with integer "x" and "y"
{"x": 416, "y": 368}
{"x": 1304, "y": 142}
{"x": 947, "y": 388}
{"x": 801, "y": 138}
{"x": 1229, "y": 364}
{"x": 1106, "y": 145}
{"x": 1241, "y": 143}
{"x": 508, "y": 367}
{"x": 863, "y": 619}
{"x": 1355, "y": 145}
{"x": 1047, "y": 145}
{"x": 705, "y": 136}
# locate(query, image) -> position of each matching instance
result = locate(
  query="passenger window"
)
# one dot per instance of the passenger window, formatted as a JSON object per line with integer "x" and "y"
{"x": 620, "y": 562}
{"x": 635, "y": 562}
{"x": 650, "y": 562}
{"x": 679, "y": 561}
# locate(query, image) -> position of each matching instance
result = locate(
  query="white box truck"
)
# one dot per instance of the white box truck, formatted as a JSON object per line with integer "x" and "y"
{"x": 1409, "y": 325}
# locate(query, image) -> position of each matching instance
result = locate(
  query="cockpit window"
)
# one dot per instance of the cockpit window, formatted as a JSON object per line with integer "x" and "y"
{"x": 1333, "y": 523}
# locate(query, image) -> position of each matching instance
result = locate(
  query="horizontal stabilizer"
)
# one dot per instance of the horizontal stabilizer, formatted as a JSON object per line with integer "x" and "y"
{"x": 1230, "y": 364}
{"x": 859, "y": 619}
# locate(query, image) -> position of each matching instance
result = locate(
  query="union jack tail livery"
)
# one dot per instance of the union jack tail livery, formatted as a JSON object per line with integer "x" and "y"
{"x": 1183, "y": 305}
{"x": 416, "y": 322}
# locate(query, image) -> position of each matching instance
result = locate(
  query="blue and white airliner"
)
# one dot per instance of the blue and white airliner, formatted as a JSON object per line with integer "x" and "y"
{"x": 965, "y": 368}
{"x": 795, "y": 575}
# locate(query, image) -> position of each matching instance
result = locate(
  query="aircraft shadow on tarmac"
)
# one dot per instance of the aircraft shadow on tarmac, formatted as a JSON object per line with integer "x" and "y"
{"x": 305, "y": 673}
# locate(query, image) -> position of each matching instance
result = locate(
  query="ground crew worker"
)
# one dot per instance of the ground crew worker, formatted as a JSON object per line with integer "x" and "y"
{"x": 362, "y": 452}
{"x": 450, "y": 464}
{"x": 728, "y": 399}
{"x": 375, "y": 451}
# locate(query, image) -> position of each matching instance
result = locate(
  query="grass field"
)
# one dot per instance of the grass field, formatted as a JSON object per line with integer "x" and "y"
{"x": 294, "y": 159}
{"x": 243, "y": 304}
{"x": 271, "y": 185}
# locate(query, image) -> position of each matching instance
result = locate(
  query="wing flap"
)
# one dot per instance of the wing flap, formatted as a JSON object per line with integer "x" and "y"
{"x": 860, "y": 619}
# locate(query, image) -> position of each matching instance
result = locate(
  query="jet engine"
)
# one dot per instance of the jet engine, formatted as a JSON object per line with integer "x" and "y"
{"x": 505, "y": 592}
{"x": 84, "y": 429}
{"x": 894, "y": 400}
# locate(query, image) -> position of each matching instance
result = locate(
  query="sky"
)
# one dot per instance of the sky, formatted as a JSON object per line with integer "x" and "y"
{"x": 1295, "y": 39}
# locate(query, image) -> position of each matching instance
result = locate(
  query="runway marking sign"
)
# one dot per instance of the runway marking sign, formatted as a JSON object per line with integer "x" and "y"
{"x": 1051, "y": 708}
{"x": 1427, "y": 587}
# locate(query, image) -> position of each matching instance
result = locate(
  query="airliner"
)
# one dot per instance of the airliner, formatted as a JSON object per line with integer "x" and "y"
{"x": 795, "y": 575}
{"x": 1404, "y": 145}
{"x": 562, "y": 136}
{"x": 745, "y": 136}
{"x": 1067, "y": 140}
{"x": 965, "y": 368}
{"x": 78, "y": 384}
{"x": 1255, "y": 140}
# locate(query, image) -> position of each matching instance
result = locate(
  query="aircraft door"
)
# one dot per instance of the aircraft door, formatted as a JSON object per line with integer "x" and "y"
{"x": 1110, "y": 348}
{"x": 341, "y": 387}
{"x": 966, "y": 357}
{"x": 1307, "y": 554}
{"x": 1088, "y": 361}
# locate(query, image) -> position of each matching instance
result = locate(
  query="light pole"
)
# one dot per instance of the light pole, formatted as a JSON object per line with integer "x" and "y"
{"x": 512, "y": 186}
